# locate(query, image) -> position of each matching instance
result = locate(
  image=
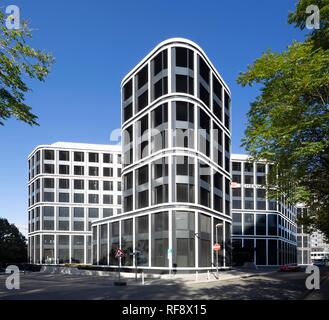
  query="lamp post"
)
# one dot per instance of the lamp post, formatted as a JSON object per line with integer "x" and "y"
{"x": 217, "y": 225}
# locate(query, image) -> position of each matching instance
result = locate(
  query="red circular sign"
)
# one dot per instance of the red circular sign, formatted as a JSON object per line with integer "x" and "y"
{"x": 216, "y": 247}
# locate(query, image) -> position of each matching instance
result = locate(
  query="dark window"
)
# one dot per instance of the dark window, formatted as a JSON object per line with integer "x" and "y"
{"x": 79, "y": 170}
{"x": 261, "y": 180}
{"x": 272, "y": 224}
{"x": 249, "y": 224}
{"x": 93, "y": 198}
{"x": 204, "y": 70}
{"x": 93, "y": 213}
{"x": 93, "y": 185}
{"x": 64, "y": 169}
{"x": 260, "y": 168}
{"x": 142, "y": 77}
{"x": 64, "y": 183}
{"x": 108, "y": 185}
{"x": 142, "y": 101}
{"x": 93, "y": 171}
{"x": 48, "y": 183}
{"x": 127, "y": 89}
{"x": 79, "y": 156}
{"x": 237, "y": 223}
{"x": 159, "y": 239}
{"x": 236, "y": 166}
{"x": 204, "y": 95}
{"x": 127, "y": 112}
{"x": 108, "y": 172}
{"x": 128, "y": 181}
{"x": 227, "y": 101}
{"x": 261, "y": 224}
{"x": 248, "y": 167}
{"x": 184, "y": 84}
{"x": 142, "y": 199}
{"x": 78, "y": 198}
{"x": 217, "y": 109}
{"x": 64, "y": 155}
{"x": 260, "y": 252}
{"x": 142, "y": 175}
{"x": 107, "y": 158}
{"x": 107, "y": 212}
{"x": 63, "y": 197}
{"x": 184, "y": 58}
{"x": 78, "y": 184}
{"x": 93, "y": 157}
{"x": 48, "y": 154}
{"x": 217, "y": 88}
{"x": 160, "y": 62}
{"x": 107, "y": 199}
{"x": 48, "y": 168}
{"x": 160, "y": 88}
{"x": 272, "y": 252}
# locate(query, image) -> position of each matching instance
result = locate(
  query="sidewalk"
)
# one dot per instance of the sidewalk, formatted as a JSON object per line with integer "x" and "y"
{"x": 208, "y": 277}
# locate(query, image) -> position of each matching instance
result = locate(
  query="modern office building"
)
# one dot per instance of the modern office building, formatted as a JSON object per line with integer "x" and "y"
{"x": 303, "y": 240}
{"x": 70, "y": 185}
{"x": 319, "y": 248}
{"x": 176, "y": 165}
{"x": 264, "y": 231}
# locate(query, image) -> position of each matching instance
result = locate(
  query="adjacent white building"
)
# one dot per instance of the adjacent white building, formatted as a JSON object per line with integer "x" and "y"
{"x": 70, "y": 186}
{"x": 264, "y": 231}
{"x": 319, "y": 248}
{"x": 303, "y": 239}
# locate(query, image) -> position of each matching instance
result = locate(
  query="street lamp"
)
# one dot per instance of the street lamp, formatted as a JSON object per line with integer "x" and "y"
{"x": 217, "y": 225}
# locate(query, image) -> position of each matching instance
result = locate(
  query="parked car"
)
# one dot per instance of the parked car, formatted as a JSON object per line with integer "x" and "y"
{"x": 290, "y": 267}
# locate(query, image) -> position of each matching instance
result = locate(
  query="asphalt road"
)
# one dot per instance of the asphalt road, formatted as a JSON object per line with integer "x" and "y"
{"x": 273, "y": 286}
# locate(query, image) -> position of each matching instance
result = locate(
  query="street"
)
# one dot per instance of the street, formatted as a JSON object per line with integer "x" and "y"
{"x": 274, "y": 285}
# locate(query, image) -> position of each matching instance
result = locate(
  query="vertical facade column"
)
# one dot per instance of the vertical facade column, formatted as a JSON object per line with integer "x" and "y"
{"x": 224, "y": 241}
{"x": 150, "y": 239}
{"x": 196, "y": 237}
{"x": 170, "y": 240}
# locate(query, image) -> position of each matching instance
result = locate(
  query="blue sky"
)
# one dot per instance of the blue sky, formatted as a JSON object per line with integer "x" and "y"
{"x": 95, "y": 43}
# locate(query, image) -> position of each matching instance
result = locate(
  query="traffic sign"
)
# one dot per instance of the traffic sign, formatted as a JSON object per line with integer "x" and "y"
{"x": 119, "y": 253}
{"x": 216, "y": 247}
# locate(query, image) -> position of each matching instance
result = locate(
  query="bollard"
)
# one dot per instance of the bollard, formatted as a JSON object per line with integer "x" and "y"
{"x": 196, "y": 275}
{"x": 143, "y": 278}
{"x": 208, "y": 275}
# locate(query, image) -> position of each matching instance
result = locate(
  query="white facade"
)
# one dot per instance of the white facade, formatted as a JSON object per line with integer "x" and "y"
{"x": 264, "y": 231}
{"x": 70, "y": 186}
{"x": 176, "y": 164}
{"x": 319, "y": 247}
{"x": 303, "y": 240}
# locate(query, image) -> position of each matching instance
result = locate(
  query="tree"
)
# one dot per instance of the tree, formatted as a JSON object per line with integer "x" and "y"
{"x": 13, "y": 248}
{"x": 18, "y": 61}
{"x": 288, "y": 123}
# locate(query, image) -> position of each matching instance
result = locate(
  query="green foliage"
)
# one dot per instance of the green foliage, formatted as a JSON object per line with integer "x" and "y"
{"x": 18, "y": 61}
{"x": 13, "y": 248}
{"x": 288, "y": 123}
{"x": 320, "y": 37}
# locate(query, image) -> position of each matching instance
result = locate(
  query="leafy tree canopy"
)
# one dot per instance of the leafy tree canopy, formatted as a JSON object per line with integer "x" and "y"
{"x": 19, "y": 61}
{"x": 288, "y": 123}
{"x": 13, "y": 248}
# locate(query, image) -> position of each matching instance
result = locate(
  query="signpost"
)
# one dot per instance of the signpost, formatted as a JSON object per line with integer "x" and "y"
{"x": 217, "y": 246}
{"x": 119, "y": 254}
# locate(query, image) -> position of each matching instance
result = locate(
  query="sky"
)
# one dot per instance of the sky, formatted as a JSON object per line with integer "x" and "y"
{"x": 95, "y": 43}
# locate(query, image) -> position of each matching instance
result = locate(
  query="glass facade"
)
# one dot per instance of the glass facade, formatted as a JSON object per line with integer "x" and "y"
{"x": 263, "y": 227}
